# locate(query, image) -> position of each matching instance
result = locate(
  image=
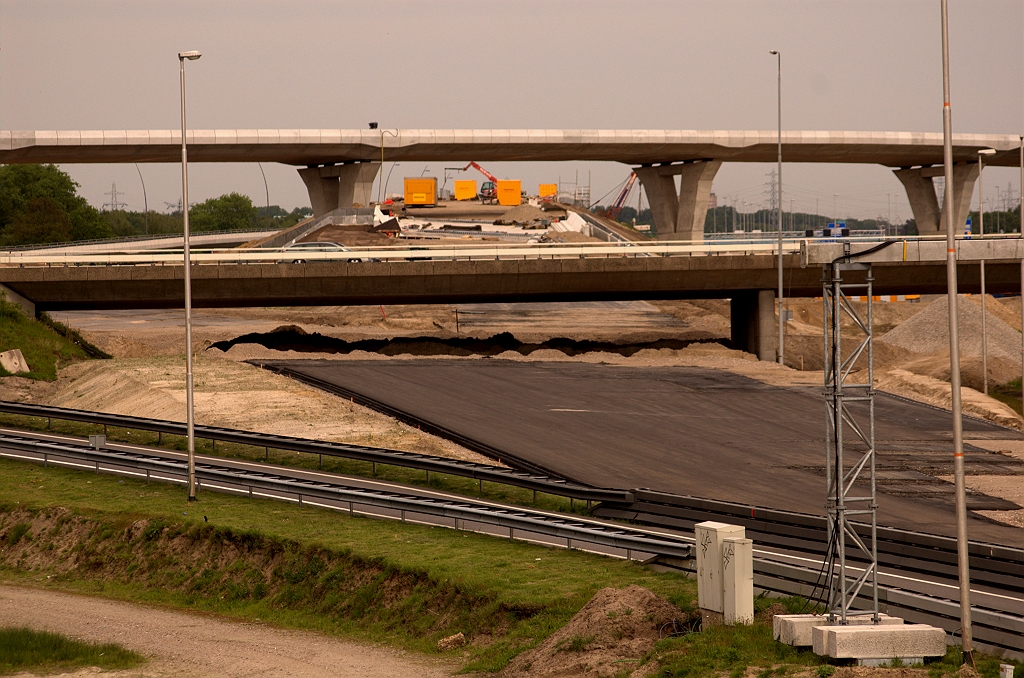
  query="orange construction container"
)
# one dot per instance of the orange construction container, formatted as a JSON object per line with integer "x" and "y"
{"x": 547, "y": 191}
{"x": 421, "y": 191}
{"x": 510, "y": 193}
{"x": 465, "y": 189}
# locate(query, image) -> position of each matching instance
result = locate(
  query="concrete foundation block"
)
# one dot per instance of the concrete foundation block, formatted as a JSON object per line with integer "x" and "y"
{"x": 796, "y": 629}
{"x": 13, "y": 361}
{"x": 872, "y": 644}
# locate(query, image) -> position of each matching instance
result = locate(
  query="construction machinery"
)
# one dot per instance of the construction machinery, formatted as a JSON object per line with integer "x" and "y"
{"x": 489, "y": 189}
{"x": 616, "y": 208}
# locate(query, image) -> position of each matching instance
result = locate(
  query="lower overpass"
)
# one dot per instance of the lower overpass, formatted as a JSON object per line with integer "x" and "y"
{"x": 745, "y": 273}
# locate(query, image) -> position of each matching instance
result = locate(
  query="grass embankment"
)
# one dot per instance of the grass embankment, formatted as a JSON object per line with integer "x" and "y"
{"x": 446, "y": 483}
{"x": 406, "y": 584}
{"x": 42, "y": 652}
{"x": 46, "y": 344}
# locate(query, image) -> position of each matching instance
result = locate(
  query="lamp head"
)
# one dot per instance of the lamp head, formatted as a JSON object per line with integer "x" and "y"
{"x": 987, "y": 151}
{"x": 774, "y": 51}
{"x": 191, "y": 55}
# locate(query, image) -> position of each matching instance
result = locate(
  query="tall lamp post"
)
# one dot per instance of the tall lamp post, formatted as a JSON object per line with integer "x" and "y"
{"x": 963, "y": 564}
{"x": 380, "y": 187}
{"x": 266, "y": 187}
{"x": 189, "y": 402}
{"x": 778, "y": 205}
{"x": 981, "y": 228}
{"x": 145, "y": 200}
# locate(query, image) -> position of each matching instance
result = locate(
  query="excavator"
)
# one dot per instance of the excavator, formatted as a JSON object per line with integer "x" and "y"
{"x": 489, "y": 189}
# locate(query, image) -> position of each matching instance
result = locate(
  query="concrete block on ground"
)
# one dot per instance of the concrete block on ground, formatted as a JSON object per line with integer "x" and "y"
{"x": 874, "y": 645}
{"x": 13, "y": 361}
{"x": 738, "y": 581}
{"x": 796, "y": 629}
{"x": 710, "y": 589}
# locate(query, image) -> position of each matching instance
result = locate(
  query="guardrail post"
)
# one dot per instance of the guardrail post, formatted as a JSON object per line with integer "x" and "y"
{"x": 147, "y": 476}
{"x": 320, "y": 464}
{"x": 44, "y": 460}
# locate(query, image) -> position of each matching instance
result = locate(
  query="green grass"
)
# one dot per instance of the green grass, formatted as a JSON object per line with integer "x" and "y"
{"x": 23, "y": 649}
{"x": 1008, "y": 393}
{"x": 730, "y": 650}
{"x": 46, "y": 345}
{"x": 521, "y": 592}
{"x": 455, "y": 484}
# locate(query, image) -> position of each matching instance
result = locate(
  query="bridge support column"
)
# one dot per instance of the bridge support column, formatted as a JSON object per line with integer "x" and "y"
{"x": 679, "y": 216}
{"x": 334, "y": 186}
{"x": 753, "y": 323}
{"x": 924, "y": 201}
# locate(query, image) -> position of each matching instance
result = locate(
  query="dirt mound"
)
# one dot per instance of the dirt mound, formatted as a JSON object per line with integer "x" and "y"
{"x": 939, "y": 394}
{"x": 608, "y": 637}
{"x": 523, "y": 214}
{"x": 927, "y": 333}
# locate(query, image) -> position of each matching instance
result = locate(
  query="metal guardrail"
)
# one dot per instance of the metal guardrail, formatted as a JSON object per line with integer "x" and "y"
{"x": 473, "y": 251}
{"x": 275, "y": 482}
{"x": 934, "y": 555}
{"x": 430, "y": 464}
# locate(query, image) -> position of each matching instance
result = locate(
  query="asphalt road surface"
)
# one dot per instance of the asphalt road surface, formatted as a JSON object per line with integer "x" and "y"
{"x": 692, "y": 431}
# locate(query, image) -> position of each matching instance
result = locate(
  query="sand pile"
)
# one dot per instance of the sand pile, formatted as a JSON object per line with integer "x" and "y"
{"x": 938, "y": 393}
{"x": 608, "y": 637}
{"x": 928, "y": 333}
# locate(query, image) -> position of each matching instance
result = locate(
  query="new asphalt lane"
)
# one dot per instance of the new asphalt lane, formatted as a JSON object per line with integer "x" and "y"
{"x": 692, "y": 431}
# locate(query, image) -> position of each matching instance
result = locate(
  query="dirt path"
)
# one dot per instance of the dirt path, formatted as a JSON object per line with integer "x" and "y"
{"x": 180, "y": 644}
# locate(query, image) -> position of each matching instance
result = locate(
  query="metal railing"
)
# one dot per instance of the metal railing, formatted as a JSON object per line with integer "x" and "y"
{"x": 430, "y": 464}
{"x": 282, "y": 483}
{"x": 462, "y": 252}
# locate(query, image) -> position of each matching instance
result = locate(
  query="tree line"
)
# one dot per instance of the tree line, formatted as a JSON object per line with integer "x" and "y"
{"x": 40, "y": 204}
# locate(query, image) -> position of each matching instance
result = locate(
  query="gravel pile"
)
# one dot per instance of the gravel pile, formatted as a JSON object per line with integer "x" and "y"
{"x": 928, "y": 332}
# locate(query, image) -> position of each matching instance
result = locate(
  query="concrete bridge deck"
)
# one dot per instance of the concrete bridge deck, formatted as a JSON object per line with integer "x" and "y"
{"x": 339, "y": 166}
{"x": 505, "y": 274}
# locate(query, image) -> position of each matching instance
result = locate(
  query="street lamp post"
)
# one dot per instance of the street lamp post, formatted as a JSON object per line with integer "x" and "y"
{"x": 145, "y": 200}
{"x": 778, "y": 205}
{"x": 963, "y": 564}
{"x": 189, "y": 401}
{"x": 380, "y": 186}
{"x": 981, "y": 229}
{"x": 266, "y": 187}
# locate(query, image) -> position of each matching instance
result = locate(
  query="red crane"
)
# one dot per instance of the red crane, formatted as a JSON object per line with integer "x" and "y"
{"x": 616, "y": 208}
{"x": 489, "y": 189}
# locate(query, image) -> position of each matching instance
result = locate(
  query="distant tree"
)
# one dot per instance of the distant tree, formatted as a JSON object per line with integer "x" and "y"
{"x": 230, "y": 212}
{"x": 40, "y": 204}
{"x": 119, "y": 222}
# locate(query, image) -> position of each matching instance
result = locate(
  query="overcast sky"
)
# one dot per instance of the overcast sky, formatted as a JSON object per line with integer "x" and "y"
{"x": 854, "y": 65}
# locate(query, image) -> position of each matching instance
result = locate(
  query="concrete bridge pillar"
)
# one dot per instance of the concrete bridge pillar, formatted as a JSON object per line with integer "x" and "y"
{"x": 334, "y": 186}
{"x": 679, "y": 216}
{"x": 920, "y": 185}
{"x": 752, "y": 314}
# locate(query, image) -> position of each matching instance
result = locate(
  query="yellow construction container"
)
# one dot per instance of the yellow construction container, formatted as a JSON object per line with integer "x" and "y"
{"x": 420, "y": 191}
{"x": 510, "y": 193}
{"x": 465, "y": 189}
{"x": 547, "y": 191}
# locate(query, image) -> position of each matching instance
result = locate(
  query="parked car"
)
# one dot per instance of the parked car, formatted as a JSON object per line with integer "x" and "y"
{"x": 296, "y": 249}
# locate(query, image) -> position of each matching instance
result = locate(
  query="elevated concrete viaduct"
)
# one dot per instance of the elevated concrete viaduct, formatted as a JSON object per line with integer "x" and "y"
{"x": 745, "y": 279}
{"x": 339, "y": 166}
